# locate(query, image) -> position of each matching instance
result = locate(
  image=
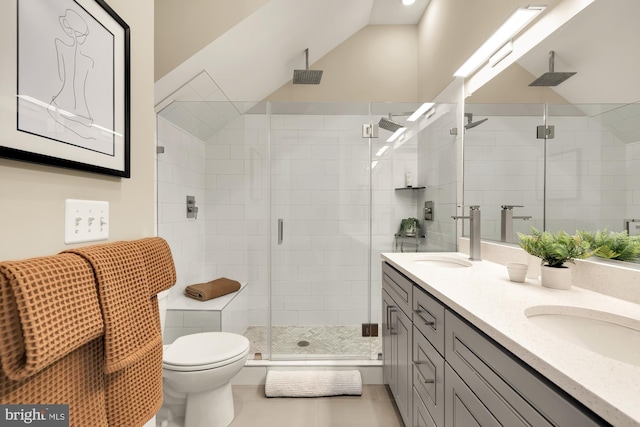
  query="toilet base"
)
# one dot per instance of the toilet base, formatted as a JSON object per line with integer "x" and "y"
{"x": 210, "y": 408}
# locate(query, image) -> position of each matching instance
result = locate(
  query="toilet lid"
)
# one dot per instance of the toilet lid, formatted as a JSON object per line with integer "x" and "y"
{"x": 205, "y": 348}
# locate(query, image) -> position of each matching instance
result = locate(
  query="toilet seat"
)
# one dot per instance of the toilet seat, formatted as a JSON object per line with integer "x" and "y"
{"x": 205, "y": 350}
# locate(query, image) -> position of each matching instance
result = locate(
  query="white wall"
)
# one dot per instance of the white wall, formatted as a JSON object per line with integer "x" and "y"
{"x": 181, "y": 172}
{"x": 437, "y": 154}
{"x": 586, "y": 174}
{"x": 236, "y": 199}
{"x": 633, "y": 185}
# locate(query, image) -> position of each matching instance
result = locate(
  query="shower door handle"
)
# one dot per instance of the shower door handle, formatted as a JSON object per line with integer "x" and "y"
{"x": 280, "y": 230}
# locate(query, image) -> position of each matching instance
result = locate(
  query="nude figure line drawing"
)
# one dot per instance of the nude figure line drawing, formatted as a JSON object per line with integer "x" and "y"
{"x": 69, "y": 106}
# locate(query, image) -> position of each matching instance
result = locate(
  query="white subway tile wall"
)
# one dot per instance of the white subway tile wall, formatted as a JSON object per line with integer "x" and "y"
{"x": 319, "y": 178}
{"x": 588, "y": 172}
{"x": 633, "y": 185}
{"x": 181, "y": 172}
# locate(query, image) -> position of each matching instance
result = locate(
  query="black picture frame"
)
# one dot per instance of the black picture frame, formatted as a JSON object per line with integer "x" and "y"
{"x": 72, "y": 88}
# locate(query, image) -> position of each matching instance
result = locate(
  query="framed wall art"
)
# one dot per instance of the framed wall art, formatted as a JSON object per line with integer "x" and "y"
{"x": 72, "y": 87}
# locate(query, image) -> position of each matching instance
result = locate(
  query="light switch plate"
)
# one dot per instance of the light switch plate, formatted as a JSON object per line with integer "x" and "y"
{"x": 85, "y": 221}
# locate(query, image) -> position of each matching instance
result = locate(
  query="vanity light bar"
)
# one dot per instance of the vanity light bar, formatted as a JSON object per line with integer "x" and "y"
{"x": 516, "y": 22}
{"x": 501, "y": 54}
{"x": 420, "y": 111}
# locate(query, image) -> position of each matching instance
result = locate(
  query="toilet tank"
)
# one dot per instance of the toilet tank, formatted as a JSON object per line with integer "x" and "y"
{"x": 162, "y": 306}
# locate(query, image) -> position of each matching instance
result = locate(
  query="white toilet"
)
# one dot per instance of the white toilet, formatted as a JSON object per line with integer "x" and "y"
{"x": 196, "y": 371}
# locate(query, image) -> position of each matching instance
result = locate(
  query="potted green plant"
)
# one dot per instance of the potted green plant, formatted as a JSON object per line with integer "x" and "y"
{"x": 612, "y": 245}
{"x": 409, "y": 227}
{"x": 555, "y": 249}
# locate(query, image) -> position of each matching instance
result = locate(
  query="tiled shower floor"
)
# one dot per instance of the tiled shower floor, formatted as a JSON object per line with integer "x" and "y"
{"x": 324, "y": 342}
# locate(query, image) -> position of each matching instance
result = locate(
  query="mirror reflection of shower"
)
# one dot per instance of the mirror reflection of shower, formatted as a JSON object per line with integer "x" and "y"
{"x": 470, "y": 123}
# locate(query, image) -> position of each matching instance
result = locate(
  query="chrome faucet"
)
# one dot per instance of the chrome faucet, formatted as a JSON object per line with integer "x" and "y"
{"x": 506, "y": 222}
{"x": 474, "y": 232}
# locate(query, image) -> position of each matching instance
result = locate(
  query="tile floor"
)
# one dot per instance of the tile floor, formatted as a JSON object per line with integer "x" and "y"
{"x": 374, "y": 408}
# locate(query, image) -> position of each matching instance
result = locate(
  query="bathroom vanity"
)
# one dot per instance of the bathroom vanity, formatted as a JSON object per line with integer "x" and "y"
{"x": 461, "y": 349}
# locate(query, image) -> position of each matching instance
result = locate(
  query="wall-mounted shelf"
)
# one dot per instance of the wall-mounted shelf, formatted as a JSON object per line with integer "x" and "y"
{"x": 410, "y": 188}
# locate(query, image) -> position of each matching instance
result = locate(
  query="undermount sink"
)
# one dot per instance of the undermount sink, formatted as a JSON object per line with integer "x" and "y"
{"x": 443, "y": 261}
{"x": 607, "y": 334}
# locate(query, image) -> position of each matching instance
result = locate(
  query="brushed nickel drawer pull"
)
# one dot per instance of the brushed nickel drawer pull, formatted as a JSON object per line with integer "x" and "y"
{"x": 426, "y": 322}
{"x": 426, "y": 381}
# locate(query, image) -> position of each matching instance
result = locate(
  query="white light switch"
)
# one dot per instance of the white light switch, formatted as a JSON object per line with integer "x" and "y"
{"x": 85, "y": 221}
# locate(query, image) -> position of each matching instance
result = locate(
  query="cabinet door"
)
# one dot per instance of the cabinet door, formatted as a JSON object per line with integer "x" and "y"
{"x": 401, "y": 343}
{"x": 421, "y": 417}
{"x": 463, "y": 408}
{"x": 387, "y": 362}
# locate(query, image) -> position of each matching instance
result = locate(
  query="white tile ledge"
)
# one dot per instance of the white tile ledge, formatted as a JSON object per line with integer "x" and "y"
{"x": 485, "y": 296}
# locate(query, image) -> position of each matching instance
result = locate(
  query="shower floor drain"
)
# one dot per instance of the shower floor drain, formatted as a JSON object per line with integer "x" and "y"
{"x": 303, "y": 343}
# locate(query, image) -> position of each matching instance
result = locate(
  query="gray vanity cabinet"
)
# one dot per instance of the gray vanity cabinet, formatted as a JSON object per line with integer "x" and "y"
{"x": 397, "y": 340}
{"x": 428, "y": 356}
{"x": 444, "y": 372}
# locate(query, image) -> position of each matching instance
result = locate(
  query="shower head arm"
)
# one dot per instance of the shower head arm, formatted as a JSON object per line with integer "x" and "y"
{"x": 469, "y": 117}
{"x": 552, "y": 56}
{"x": 306, "y": 55}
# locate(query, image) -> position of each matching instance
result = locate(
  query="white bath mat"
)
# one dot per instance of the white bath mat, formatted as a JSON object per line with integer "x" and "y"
{"x": 312, "y": 383}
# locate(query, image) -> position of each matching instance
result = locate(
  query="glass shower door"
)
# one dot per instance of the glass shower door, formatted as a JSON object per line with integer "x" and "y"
{"x": 320, "y": 227}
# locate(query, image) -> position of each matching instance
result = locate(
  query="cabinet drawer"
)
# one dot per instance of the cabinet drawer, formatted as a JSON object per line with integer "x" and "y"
{"x": 421, "y": 417}
{"x": 428, "y": 376}
{"x": 398, "y": 287}
{"x": 428, "y": 316}
{"x": 512, "y": 391}
{"x": 464, "y": 408}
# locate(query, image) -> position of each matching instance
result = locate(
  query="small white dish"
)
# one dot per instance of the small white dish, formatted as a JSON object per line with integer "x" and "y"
{"x": 517, "y": 271}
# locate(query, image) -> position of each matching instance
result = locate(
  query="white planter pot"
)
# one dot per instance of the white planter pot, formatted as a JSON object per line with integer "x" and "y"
{"x": 410, "y": 231}
{"x": 534, "y": 267}
{"x": 556, "y": 277}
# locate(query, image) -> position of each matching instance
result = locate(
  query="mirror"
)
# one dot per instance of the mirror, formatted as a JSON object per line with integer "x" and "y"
{"x": 587, "y": 174}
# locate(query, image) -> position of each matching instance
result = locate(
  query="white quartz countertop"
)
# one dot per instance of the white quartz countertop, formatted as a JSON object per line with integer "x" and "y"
{"x": 484, "y": 295}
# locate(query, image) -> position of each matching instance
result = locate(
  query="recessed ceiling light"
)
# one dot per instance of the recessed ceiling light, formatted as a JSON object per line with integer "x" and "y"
{"x": 408, "y": 2}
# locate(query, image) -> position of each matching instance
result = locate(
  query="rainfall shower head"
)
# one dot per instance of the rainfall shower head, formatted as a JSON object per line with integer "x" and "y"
{"x": 470, "y": 124}
{"x": 390, "y": 125}
{"x": 551, "y": 78}
{"x": 307, "y": 76}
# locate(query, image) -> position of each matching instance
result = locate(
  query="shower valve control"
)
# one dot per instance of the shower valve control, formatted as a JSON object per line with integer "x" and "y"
{"x": 428, "y": 211}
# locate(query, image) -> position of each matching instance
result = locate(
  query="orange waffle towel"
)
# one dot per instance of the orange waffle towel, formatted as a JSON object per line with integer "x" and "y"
{"x": 41, "y": 301}
{"x": 49, "y": 318}
{"x": 128, "y": 274}
{"x": 213, "y": 289}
